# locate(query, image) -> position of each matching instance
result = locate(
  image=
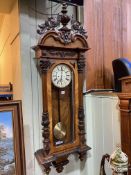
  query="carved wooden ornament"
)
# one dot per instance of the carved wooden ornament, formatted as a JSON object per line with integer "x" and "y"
{"x": 60, "y": 51}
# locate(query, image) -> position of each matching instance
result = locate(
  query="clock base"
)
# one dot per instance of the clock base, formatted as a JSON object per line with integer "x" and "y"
{"x": 59, "y": 160}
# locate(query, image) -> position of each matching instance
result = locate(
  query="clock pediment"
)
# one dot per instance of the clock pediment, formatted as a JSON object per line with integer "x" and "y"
{"x": 53, "y": 39}
{"x": 62, "y": 32}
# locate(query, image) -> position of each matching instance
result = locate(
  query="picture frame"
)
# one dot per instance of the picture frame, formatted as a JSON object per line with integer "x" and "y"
{"x": 12, "y": 152}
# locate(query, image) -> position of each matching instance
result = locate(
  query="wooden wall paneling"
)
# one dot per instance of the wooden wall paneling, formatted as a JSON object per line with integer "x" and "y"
{"x": 117, "y": 29}
{"x": 99, "y": 49}
{"x": 109, "y": 37}
{"x": 126, "y": 28}
{"x": 95, "y": 58}
{"x": 129, "y": 29}
{"x": 90, "y": 57}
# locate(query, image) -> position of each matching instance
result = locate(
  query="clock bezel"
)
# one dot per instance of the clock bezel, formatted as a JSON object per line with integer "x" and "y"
{"x": 61, "y": 87}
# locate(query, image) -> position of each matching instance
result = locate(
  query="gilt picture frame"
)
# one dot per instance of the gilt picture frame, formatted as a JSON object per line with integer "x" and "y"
{"x": 12, "y": 153}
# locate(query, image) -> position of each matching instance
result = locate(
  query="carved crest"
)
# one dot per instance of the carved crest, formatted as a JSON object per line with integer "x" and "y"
{"x": 65, "y": 35}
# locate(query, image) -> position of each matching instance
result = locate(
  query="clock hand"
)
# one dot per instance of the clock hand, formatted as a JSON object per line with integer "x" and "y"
{"x": 61, "y": 75}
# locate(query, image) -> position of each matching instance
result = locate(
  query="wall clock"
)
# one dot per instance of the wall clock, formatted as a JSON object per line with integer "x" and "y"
{"x": 60, "y": 52}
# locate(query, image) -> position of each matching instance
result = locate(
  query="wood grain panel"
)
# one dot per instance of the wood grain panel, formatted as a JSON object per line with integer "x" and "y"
{"x": 112, "y": 38}
{"x": 126, "y": 30}
{"x": 89, "y": 26}
{"x": 94, "y": 25}
{"x": 109, "y": 37}
{"x": 99, "y": 49}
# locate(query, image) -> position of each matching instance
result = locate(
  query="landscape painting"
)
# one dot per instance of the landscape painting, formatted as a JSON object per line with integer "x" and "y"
{"x": 7, "y": 160}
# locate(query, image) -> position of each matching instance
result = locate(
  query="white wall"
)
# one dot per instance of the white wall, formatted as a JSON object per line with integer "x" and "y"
{"x": 103, "y": 129}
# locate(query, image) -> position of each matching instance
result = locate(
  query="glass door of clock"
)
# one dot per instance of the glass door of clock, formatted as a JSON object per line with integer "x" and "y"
{"x": 63, "y": 113}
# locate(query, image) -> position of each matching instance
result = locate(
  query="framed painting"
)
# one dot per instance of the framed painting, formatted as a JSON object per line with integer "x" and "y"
{"x": 12, "y": 155}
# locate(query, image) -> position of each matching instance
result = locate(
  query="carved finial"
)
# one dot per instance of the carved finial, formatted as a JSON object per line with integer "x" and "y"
{"x": 64, "y": 8}
{"x": 65, "y": 34}
{"x": 64, "y": 17}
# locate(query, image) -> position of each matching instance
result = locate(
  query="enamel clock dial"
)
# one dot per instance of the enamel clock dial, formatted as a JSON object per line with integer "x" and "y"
{"x": 61, "y": 76}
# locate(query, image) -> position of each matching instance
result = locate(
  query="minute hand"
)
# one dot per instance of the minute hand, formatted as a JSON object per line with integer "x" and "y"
{"x": 61, "y": 76}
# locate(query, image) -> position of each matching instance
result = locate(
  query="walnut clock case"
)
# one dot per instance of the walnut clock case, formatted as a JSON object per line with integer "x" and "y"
{"x": 60, "y": 51}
